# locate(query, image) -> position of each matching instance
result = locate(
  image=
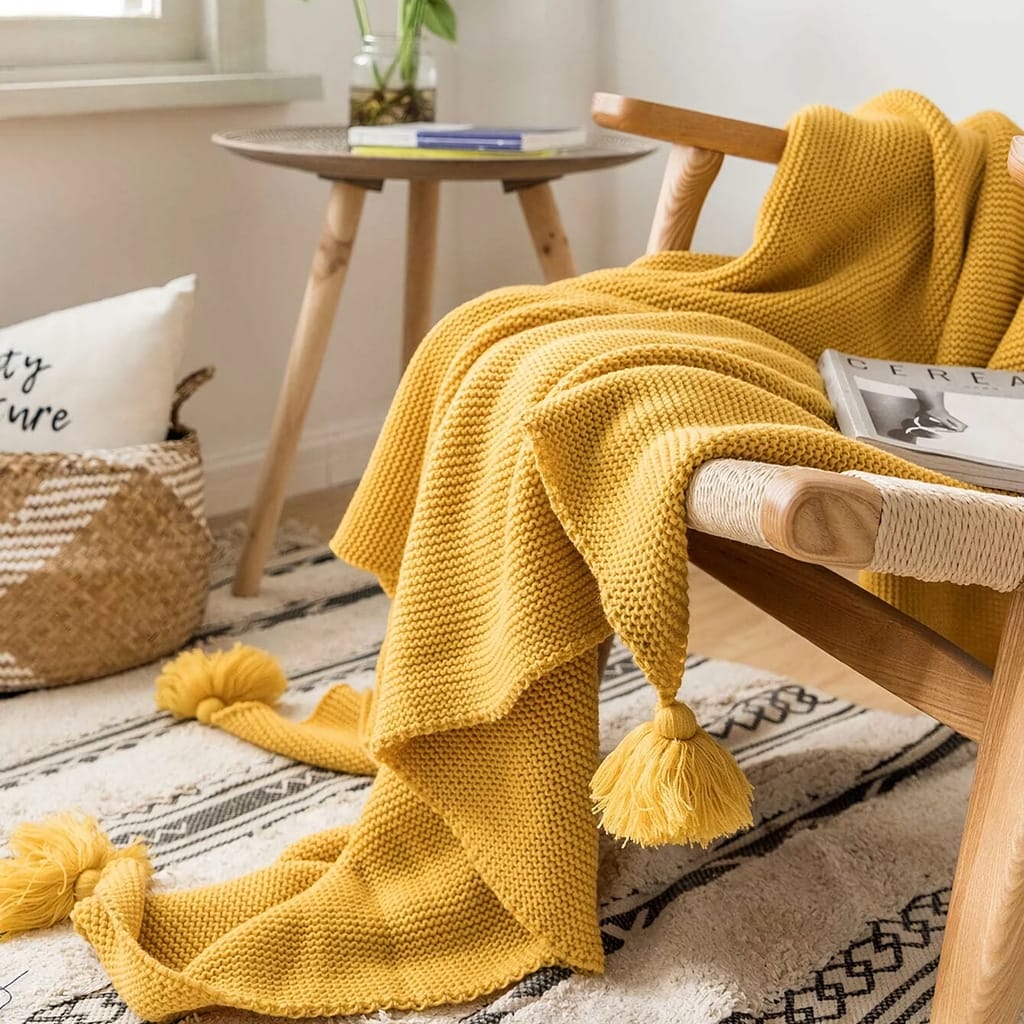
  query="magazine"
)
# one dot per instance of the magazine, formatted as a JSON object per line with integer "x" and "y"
{"x": 964, "y": 421}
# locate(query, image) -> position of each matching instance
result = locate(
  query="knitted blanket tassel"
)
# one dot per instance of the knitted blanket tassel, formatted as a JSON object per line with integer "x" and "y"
{"x": 56, "y": 863}
{"x": 668, "y": 781}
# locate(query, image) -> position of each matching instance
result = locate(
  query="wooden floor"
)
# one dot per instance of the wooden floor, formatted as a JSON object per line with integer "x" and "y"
{"x": 722, "y": 625}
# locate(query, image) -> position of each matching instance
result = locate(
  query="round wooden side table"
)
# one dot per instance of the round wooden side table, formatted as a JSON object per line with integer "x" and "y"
{"x": 324, "y": 151}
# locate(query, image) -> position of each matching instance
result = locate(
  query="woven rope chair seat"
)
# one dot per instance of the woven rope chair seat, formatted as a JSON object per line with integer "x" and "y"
{"x": 927, "y": 531}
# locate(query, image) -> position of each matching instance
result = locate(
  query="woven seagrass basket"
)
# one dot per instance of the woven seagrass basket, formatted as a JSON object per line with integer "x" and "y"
{"x": 105, "y": 556}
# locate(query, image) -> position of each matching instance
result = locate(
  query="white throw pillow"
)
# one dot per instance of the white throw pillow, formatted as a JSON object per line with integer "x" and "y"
{"x": 94, "y": 376}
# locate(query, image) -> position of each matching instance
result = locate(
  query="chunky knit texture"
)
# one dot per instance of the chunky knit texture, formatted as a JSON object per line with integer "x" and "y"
{"x": 526, "y": 499}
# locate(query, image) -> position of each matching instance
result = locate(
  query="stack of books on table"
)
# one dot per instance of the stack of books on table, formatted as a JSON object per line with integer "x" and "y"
{"x": 459, "y": 141}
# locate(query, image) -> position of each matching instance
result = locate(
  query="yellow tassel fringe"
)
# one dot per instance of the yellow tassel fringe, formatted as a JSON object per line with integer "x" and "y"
{"x": 198, "y": 685}
{"x": 668, "y": 781}
{"x": 55, "y": 863}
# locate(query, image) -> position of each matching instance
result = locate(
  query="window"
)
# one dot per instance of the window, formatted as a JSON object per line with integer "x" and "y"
{"x": 79, "y": 8}
{"x": 84, "y": 56}
{"x": 45, "y": 33}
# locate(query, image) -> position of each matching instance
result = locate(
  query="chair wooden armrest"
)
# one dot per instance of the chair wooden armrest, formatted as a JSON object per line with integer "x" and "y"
{"x": 768, "y": 532}
{"x": 688, "y": 127}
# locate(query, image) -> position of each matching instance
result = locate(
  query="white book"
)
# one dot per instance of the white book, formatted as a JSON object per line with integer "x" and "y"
{"x": 430, "y": 135}
{"x": 964, "y": 421}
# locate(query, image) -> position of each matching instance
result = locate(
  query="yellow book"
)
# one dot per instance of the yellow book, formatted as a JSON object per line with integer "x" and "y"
{"x": 414, "y": 152}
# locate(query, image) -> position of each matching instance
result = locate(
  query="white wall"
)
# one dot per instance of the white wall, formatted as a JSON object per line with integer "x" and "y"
{"x": 97, "y": 205}
{"x": 532, "y": 62}
{"x": 761, "y": 61}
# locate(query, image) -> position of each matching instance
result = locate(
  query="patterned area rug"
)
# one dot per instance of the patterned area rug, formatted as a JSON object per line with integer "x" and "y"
{"x": 831, "y": 909}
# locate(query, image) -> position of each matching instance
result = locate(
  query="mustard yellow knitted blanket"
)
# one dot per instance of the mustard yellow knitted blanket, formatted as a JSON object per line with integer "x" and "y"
{"x": 525, "y": 500}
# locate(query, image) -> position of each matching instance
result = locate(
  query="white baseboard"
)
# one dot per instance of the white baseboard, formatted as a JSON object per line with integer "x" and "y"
{"x": 326, "y": 458}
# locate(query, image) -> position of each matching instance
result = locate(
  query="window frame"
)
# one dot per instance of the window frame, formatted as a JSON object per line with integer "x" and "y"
{"x": 228, "y": 68}
{"x": 29, "y": 44}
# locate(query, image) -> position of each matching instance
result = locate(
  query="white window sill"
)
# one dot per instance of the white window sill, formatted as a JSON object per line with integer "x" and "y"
{"x": 94, "y": 96}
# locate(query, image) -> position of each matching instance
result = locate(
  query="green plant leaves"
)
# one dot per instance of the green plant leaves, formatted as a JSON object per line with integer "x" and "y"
{"x": 439, "y": 18}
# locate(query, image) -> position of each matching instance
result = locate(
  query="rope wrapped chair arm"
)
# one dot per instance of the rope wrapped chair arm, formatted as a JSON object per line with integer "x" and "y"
{"x": 857, "y": 520}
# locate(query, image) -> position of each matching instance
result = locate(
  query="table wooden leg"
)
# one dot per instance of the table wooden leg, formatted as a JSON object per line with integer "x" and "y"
{"x": 549, "y": 238}
{"x": 420, "y": 257}
{"x": 323, "y": 289}
{"x": 981, "y": 973}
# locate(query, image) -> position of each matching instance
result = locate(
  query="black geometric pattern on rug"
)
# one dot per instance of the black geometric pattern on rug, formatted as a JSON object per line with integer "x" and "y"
{"x": 292, "y": 610}
{"x": 181, "y": 830}
{"x": 617, "y": 929}
{"x": 103, "y": 1006}
{"x": 773, "y": 705}
{"x": 236, "y": 810}
{"x": 767, "y": 836}
{"x": 320, "y": 557}
{"x": 861, "y": 968}
{"x": 527, "y": 991}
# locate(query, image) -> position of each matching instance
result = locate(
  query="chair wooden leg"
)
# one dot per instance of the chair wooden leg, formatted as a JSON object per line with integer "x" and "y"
{"x": 323, "y": 289}
{"x": 420, "y": 258}
{"x": 545, "y": 224}
{"x": 981, "y": 973}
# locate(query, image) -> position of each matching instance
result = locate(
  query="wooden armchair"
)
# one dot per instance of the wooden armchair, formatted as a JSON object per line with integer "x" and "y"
{"x": 768, "y": 532}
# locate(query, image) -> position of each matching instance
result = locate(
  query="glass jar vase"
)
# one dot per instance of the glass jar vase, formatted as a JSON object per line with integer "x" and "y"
{"x": 392, "y": 83}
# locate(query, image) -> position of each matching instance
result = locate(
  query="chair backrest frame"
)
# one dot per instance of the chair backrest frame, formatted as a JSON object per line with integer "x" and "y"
{"x": 700, "y": 142}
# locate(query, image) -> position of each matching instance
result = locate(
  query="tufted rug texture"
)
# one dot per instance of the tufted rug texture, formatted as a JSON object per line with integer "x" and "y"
{"x": 831, "y": 909}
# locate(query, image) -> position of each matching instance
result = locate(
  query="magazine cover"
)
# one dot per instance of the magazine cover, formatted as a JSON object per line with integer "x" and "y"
{"x": 963, "y": 420}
